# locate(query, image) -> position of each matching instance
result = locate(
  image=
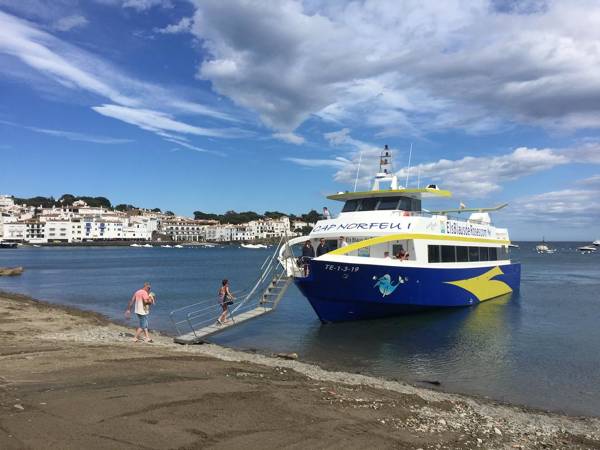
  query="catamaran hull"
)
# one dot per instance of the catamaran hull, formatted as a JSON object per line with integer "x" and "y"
{"x": 342, "y": 292}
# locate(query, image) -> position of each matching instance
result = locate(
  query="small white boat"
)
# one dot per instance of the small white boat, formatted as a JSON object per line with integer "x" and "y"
{"x": 178, "y": 246}
{"x": 147, "y": 245}
{"x": 596, "y": 242}
{"x": 254, "y": 246}
{"x": 135, "y": 245}
{"x": 543, "y": 248}
{"x": 586, "y": 249}
{"x": 166, "y": 246}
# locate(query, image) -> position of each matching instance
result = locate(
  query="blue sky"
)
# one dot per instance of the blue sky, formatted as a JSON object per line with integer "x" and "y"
{"x": 256, "y": 105}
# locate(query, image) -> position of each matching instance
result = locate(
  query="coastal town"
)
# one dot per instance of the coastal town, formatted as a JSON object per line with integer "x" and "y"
{"x": 79, "y": 222}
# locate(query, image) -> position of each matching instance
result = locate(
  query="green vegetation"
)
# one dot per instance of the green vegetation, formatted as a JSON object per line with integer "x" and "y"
{"x": 64, "y": 200}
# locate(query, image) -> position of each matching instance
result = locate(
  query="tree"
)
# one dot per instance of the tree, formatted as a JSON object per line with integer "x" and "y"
{"x": 199, "y": 215}
{"x": 169, "y": 213}
{"x": 274, "y": 214}
{"x": 311, "y": 217}
{"x": 124, "y": 207}
{"x": 156, "y": 210}
{"x": 67, "y": 199}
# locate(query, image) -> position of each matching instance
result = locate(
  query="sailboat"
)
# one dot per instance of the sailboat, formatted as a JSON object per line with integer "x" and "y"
{"x": 543, "y": 248}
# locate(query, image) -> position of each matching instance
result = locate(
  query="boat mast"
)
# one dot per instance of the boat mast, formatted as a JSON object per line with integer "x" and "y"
{"x": 408, "y": 170}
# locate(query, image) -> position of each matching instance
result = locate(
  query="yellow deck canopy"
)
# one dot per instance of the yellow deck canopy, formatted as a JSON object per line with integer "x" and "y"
{"x": 412, "y": 193}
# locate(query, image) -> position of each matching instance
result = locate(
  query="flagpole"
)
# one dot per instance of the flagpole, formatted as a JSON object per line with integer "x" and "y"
{"x": 408, "y": 170}
{"x": 357, "y": 170}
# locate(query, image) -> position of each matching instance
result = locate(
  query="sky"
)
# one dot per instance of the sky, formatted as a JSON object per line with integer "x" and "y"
{"x": 217, "y": 105}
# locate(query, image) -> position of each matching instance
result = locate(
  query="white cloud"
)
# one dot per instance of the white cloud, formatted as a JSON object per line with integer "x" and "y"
{"x": 469, "y": 177}
{"x": 572, "y": 207}
{"x": 71, "y": 135}
{"x": 139, "y": 5}
{"x": 593, "y": 181}
{"x": 402, "y": 66}
{"x": 291, "y": 138}
{"x": 70, "y": 22}
{"x": 149, "y": 106}
{"x": 336, "y": 163}
{"x": 183, "y": 26}
{"x": 480, "y": 176}
{"x": 157, "y": 121}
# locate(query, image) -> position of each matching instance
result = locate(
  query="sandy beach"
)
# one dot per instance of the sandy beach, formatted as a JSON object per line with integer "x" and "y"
{"x": 71, "y": 379}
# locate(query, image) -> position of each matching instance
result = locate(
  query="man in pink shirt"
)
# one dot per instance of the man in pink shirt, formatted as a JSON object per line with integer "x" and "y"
{"x": 140, "y": 298}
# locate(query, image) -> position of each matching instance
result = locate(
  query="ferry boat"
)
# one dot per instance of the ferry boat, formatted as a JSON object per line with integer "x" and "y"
{"x": 385, "y": 255}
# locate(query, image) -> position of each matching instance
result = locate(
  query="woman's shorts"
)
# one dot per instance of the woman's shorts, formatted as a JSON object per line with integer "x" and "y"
{"x": 143, "y": 318}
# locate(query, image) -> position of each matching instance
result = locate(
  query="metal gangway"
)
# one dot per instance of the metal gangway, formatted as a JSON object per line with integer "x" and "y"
{"x": 193, "y": 323}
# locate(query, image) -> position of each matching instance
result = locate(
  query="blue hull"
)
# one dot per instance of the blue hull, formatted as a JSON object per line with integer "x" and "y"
{"x": 341, "y": 292}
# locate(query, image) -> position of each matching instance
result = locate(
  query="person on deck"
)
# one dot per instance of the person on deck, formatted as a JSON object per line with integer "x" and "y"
{"x": 343, "y": 242}
{"x": 326, "y": 213}
{"x": 322, "y": 247}
{"x": 308, "y": 252}
{"x": 402, "y": 254}
{"x": 142, "y": 301}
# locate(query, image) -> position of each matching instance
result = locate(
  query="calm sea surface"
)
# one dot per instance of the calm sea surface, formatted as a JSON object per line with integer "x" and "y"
{"x": 540, "y": 348}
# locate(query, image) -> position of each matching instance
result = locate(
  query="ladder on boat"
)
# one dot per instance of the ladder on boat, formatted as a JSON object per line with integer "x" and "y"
{"x": 195, "y": 322}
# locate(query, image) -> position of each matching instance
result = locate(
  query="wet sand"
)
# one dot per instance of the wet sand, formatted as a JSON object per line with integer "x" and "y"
{"x": 71, "y": 379}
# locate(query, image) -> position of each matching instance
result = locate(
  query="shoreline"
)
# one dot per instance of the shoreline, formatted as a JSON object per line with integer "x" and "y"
{"x": 390, "y": 413}
{"x": 427, "y": 384}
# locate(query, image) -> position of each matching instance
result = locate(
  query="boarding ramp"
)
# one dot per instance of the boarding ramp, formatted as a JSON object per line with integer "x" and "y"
{"x": 195, "y": 322}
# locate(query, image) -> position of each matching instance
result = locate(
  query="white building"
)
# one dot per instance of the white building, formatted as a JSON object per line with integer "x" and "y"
{"x": 14, "y": 231}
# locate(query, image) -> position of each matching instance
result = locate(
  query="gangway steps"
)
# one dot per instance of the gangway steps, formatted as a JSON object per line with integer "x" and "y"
{"x": 198, "y": 336}
{"x": 268, "y": 301}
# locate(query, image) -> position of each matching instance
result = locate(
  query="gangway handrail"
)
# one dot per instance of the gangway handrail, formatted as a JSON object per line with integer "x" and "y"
{"x": 200, "y": 313}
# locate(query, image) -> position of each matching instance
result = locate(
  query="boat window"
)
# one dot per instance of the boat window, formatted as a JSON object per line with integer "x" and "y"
{"x": 368, "y": 204}
{"x": 473, "y": 254}
{"x": 350, "y": 206}
{"x": 415, "y": 204}
{"x": 503, "y": 253}
{"x": 448, "y": 253}
{"x": 405, "y": 204}
{"x": 387, "y": 203}
{"x": 434, "y": 253}
{"x": 462, "y": 254}
{"x": 459, "y": 253}
{"x": 484, "y": 254}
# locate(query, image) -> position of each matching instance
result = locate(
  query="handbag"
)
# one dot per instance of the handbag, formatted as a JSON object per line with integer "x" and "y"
{"x": 228, "y": 300}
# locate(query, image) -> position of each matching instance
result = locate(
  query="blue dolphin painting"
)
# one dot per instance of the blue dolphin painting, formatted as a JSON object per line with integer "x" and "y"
{"x": 385, "y": 285}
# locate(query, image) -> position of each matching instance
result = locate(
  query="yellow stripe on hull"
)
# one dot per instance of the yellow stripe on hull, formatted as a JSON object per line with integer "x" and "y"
{"x": 397, "y": 237}
{"x": 483, "y": 286}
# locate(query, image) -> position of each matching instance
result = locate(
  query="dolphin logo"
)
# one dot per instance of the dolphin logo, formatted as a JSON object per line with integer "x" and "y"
{"x": 385, "y": 285}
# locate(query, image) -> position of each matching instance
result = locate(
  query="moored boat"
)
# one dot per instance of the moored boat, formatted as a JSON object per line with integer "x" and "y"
{"x": 384, "y": 255}
{"x": 587, "y": 249}
{"x": 544, "y": 248}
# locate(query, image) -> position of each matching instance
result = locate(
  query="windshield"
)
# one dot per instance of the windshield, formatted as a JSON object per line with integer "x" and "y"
{"x": 382, "y": 204}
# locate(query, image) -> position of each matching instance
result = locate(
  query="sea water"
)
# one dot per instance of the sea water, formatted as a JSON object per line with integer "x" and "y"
{"x": 538, "y": 348}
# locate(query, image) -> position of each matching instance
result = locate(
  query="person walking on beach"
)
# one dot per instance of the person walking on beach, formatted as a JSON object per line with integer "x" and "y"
{"x": 225, "y": 300}
{"x": 142, "y": 301}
